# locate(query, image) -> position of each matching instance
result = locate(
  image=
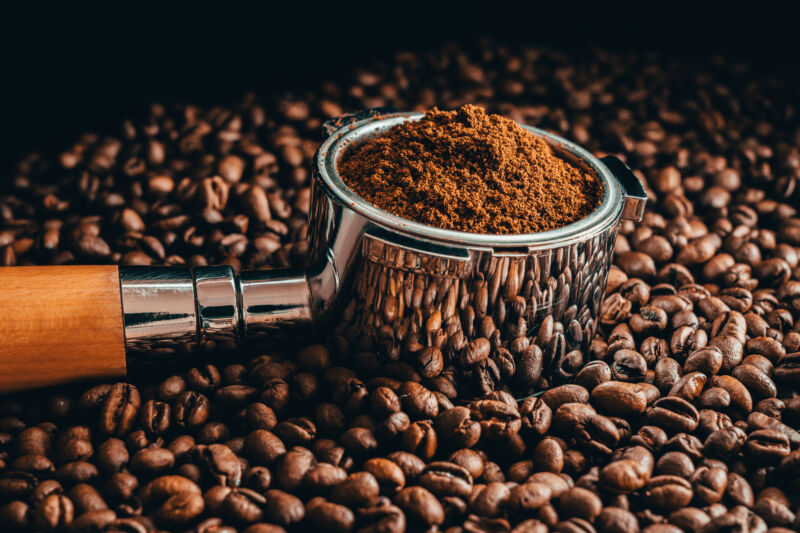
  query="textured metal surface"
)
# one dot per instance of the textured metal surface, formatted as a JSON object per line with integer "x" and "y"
{"x": 550, "y": 298}
{"x": 413, "y": 285}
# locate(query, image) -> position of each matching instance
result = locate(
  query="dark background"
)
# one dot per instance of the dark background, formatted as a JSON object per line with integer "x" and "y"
{"x": 70, "y": 68}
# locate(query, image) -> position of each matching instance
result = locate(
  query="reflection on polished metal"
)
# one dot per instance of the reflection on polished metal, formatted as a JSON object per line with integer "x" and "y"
{"x": 391, "y": 286}
{"x": 534, "y": 297}
{"x": 158, "y": 309}
{"x": 274, "y": 302}
{"x": 177, "y": 309}
{"x": 218, "y": 313}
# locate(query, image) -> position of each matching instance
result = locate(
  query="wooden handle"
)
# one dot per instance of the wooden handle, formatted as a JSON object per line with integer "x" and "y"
{"x": 59, "y": 324}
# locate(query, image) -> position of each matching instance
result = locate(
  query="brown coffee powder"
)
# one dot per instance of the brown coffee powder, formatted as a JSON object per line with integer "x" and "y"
{"x": 470, "y": 171}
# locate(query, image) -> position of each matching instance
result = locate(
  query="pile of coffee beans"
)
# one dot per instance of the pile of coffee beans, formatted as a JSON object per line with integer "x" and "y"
{"x": 685, "y": 418}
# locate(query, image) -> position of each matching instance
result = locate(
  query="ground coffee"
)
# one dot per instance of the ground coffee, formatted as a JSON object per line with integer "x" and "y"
{"x": 470, "y": 171}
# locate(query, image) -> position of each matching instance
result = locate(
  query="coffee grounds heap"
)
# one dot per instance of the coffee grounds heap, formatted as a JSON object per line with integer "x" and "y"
{"x": 470, "y": 171}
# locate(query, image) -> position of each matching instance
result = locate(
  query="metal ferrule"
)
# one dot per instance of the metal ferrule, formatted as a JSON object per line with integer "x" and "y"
{"x": 181, "y": 309}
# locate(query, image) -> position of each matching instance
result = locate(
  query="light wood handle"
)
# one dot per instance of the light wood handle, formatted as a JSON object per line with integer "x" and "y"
{"x": 59, "y": 324}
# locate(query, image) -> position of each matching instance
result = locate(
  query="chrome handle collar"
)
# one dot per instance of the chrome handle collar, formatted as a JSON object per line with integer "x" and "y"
{"x": 170, "y": 310}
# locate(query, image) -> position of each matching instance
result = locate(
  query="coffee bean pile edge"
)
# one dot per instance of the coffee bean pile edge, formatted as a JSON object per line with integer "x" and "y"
{"x": 685, "y": 419}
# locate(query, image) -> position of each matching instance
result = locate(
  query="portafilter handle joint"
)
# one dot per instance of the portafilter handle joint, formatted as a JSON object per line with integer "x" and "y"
{"x": 61, "y": 324}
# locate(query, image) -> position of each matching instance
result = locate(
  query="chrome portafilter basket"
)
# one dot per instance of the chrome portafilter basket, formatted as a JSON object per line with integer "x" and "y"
{"x": 510, "y": 312}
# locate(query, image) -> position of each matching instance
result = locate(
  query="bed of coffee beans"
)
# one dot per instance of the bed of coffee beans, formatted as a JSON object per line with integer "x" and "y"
{"x": 683, "y": 420}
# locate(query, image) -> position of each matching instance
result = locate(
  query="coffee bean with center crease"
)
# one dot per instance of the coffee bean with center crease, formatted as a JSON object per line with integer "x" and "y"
{"x": 598, "y": 434}
{"x": 53, "y": 513}
{"x": 497, "y": 419}
{"x": 446, "y": 479}
{"x": 191, "y": 409}
{"x": 457, "y": 427}
{"x": 674, "y": 414}
{"x": 668, "y": 493}
{"x": 244, "y": 506}
{"x": 769, "y": 445}
{"x": 119, "y": 410}
{"x": 418, "y": 401}
{"x": 620, "y": 398}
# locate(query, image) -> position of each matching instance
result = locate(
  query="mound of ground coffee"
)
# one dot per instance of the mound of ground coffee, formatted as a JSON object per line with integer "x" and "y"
{"x": 470, "y": 171}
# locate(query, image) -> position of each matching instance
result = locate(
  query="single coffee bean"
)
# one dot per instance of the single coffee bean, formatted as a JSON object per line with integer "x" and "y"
{"x": 360, "y": 489}
{"x": 329, "y": 516}
{"x": 119, "y": 410}
{"x": 446, "y": 479}
{"x": 53, "y": 513}
{"x": 489, "y": 500}
{"x": 244, "y": 506}
{"x": 668, "y": 493}
{"x": 674, "y": 414}
{"x": 389, "y": 475}
{"x": 456, "y": 427}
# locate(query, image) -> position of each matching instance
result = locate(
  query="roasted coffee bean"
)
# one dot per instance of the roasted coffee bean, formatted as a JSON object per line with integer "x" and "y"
{"x": 674, "y": 414}
{"x": 389, "y": 475}
{"x": 191, "y": 409}
{"x": 328, "y": 516}
{"x": 244, "y": 506}
{"x": 558, "y": 396}
{"x": 220, "y": 464}
{"x": 620, "y": 398}
{"x": 293, "y": 466}
{"x": 283, "y": 508}
{"x": 709, "y": 484}
{"x": 150, "y": 462}
{"x": 181, "y": 508}
{"x": 706, "y": 360}
{"x": 628, "y": 366}
{"x": 263, "y": 447}
{"x": 119, "y": 410}
{"x": 53, "y": 513}
{"x": 668, "y": 493}
{"x": 597, "y": 435}
{"x": 767, "y": 445}
{"x": 382, "y": 517}
{"x": 446, "y": 479}
{"x": 581, "y": 503}
{"x": 548, "y": 456}
{"x": 360, "y": 488}
{"x": 420, "y": 438}
{"x": 497, "y": 419}
{"x": 529, "y": 496}
{"x": 536, "y": 415}
{"x": 457, "y": 427}
{"x": 418, "y": 401}
{"x": 623, "y": 476}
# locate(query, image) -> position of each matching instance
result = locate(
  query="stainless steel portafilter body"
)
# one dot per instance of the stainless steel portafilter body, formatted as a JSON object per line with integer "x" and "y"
{"x": 388, "y": 286}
